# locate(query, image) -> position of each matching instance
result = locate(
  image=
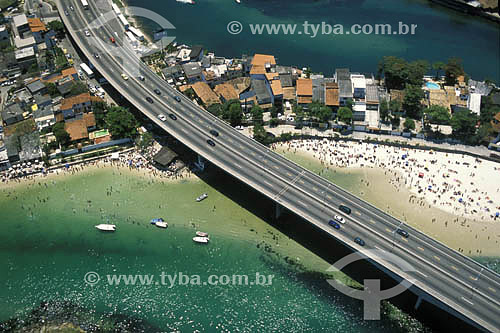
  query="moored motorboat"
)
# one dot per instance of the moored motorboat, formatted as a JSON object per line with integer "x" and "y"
{"x": 106, "y": 227}
{"x": 202, "y": 197}
{"x": 186, "y": 1}
{"x": 203, "y": 240}
{"x": 159, "y": 222}
{"x": 201, "y": 234}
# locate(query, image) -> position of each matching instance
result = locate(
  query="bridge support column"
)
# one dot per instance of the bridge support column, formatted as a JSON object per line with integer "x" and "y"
{"x": 278, "y": 210}
{"x": 200, "y": 164}
{"x": 419, "y": 301}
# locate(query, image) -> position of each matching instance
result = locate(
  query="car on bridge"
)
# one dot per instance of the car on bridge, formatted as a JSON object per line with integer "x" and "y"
{"x": 339, "y": 218}
{"x": 96, "y": 55}
{"x": 157, "y": 91}
{"x": 334, "y": 224}
{"x": 72, "y": 8}
{"x": 149, "y": 99}
{"x": 177, "y": 98}
{"x": 345, "y": 209}
{"x": 142, "y": 78}
{"x": 359, "y": 241}
{"x": 210, "y": 142}
{"x": 162, "y": 117}
{"x": 214, "y": 132}
{"x": 112, "y": 39}
{"x": 172, "y": 116}
{"x": 87, "y": 33}
{"x": 66, "y": 13}
{"x": 124, "y": 76}
{"x": 403, "y": 233}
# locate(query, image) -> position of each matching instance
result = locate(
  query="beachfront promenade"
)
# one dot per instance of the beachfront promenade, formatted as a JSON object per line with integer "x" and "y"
{"x": 440, "y": 275}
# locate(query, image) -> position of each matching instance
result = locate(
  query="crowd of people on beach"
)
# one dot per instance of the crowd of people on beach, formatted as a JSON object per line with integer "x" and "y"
{"x": 133, "y": 159}
{"x": 460, "y": 184}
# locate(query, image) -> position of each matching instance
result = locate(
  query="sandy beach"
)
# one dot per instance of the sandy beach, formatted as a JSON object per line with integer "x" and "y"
{"x": 366, "y": 171}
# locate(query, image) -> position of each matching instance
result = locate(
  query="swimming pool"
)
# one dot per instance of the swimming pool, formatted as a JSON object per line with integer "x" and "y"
{"x": 432, "y": 85}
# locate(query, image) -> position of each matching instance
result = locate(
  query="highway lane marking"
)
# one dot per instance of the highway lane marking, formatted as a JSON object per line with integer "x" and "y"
{"x": 253, "y": 154}
{"x": 288, "y": 173}
{"x": 372, "y": 221}
{"x": 268, "y": 183}
{"x": 184, "y": 130}
{"x": 315, "y": 188}
{"x": 437, "y": 258}
{"x": 465, "y": 299}
{"x": 276, "y": 167}
{"x": 303, "y": 204}
{"x": 301, "y": 181}
{"x": 239, "y": 166}
{"x": 329, "y": 196}
{"x": 454, "y": 267}
{"x": 405, "y": 239}
{"x": 420, "y": 248}
{"x": 388, "y": 230}
{"x": 419, "y": 272}
{"x": 357, "y": 213}
{"x": 493, "y": 290}
{"x": 472, "y": 278}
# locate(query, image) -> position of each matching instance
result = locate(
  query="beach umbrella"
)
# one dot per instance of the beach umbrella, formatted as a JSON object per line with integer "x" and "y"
{"x": 67, "y": 166}
{"x": 497, "y": 214}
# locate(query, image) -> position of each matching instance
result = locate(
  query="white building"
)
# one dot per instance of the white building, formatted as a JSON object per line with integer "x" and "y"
{"x": 358, "y": 86}
{"x": 474, "y": 103}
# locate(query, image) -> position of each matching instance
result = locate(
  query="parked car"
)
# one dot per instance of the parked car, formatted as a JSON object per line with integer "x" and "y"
{"x": 345, "y": 209}
{"x": 403, "y": 233}
{"x": 214, "y": 132}
{"x": 210, "y": 142}
{"x": 359, "y": 241}
{"x": 334, "y": 224}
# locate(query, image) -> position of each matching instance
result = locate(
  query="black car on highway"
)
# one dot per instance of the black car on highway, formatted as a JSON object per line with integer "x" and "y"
{"x": 334, "y": 224}
{"x": 157, "y": 91}
{"x": 345, "y": 209}
{"x": 403, "y": 233}
{"x": 210, "y": 142}
{"x": 359, "y": 241}
{"x": 149, "y": 99}
{"x": 177, "y": 98}
{"x": 214, "y": 132}
{"x": 172, "y": 116}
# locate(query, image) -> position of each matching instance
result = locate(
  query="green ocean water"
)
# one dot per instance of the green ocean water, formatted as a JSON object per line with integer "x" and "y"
{"x": 48, "y": 243}
{"x": 441, "y": 33}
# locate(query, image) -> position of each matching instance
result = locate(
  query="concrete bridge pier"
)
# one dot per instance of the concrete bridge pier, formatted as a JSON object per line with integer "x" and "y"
{"x": 419, "y": 301}
{"x": 278, "y": 211}
{"x": 200, "y": 164}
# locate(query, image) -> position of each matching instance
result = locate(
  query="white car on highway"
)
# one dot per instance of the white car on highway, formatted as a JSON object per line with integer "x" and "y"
{"x": 87, "y": 33}
{"x": 124, "y": 76}
{"x": 162, "y": 117}
{"x": 339, "y": 219}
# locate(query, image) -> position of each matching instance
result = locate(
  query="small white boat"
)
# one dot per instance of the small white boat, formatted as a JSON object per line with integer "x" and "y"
{"x": 106, "y": 227}
{"x": 203, "y": 240}
{"x": 161, "y": 225}
{"x": 202, "y": 197}
{"x": 238, "y": 1}
{"x": 186, "y": 1}
{"x": 201, "y": 234}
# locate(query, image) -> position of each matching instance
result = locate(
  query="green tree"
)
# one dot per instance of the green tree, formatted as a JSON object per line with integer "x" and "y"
{"x": 463, "y": 123}
{"x": 216, "y": 109}
{"x": 438, "y": 66}
{"x": 121, "y": 123}
{"x": 384, "y": 110}
{"x": 78, "y": 88}
{"x": 100, "y": 109}
{"x": 274, "y": 122}
{"x": 395, "y": 106}
{"x": 437, "y": 114}
{"x": 257, "y": 116}
{"x": 233, "y": 112}
{"x": 61, "y": 135}
{"x": 344, "y": 114}
{"x": 398, "y": 72}
{"x": 412, "y": 103}
{"x": 52, "y": 89}
{"x": 409, "y": 124}
{"x": 320, "y": 111}
{"x": 259, "y": 133}
{"x": 274, "y": 111}
{"x": 145, "y": 141}
{"x": 57, "y": 26}
{"x": 452, "y": 70}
